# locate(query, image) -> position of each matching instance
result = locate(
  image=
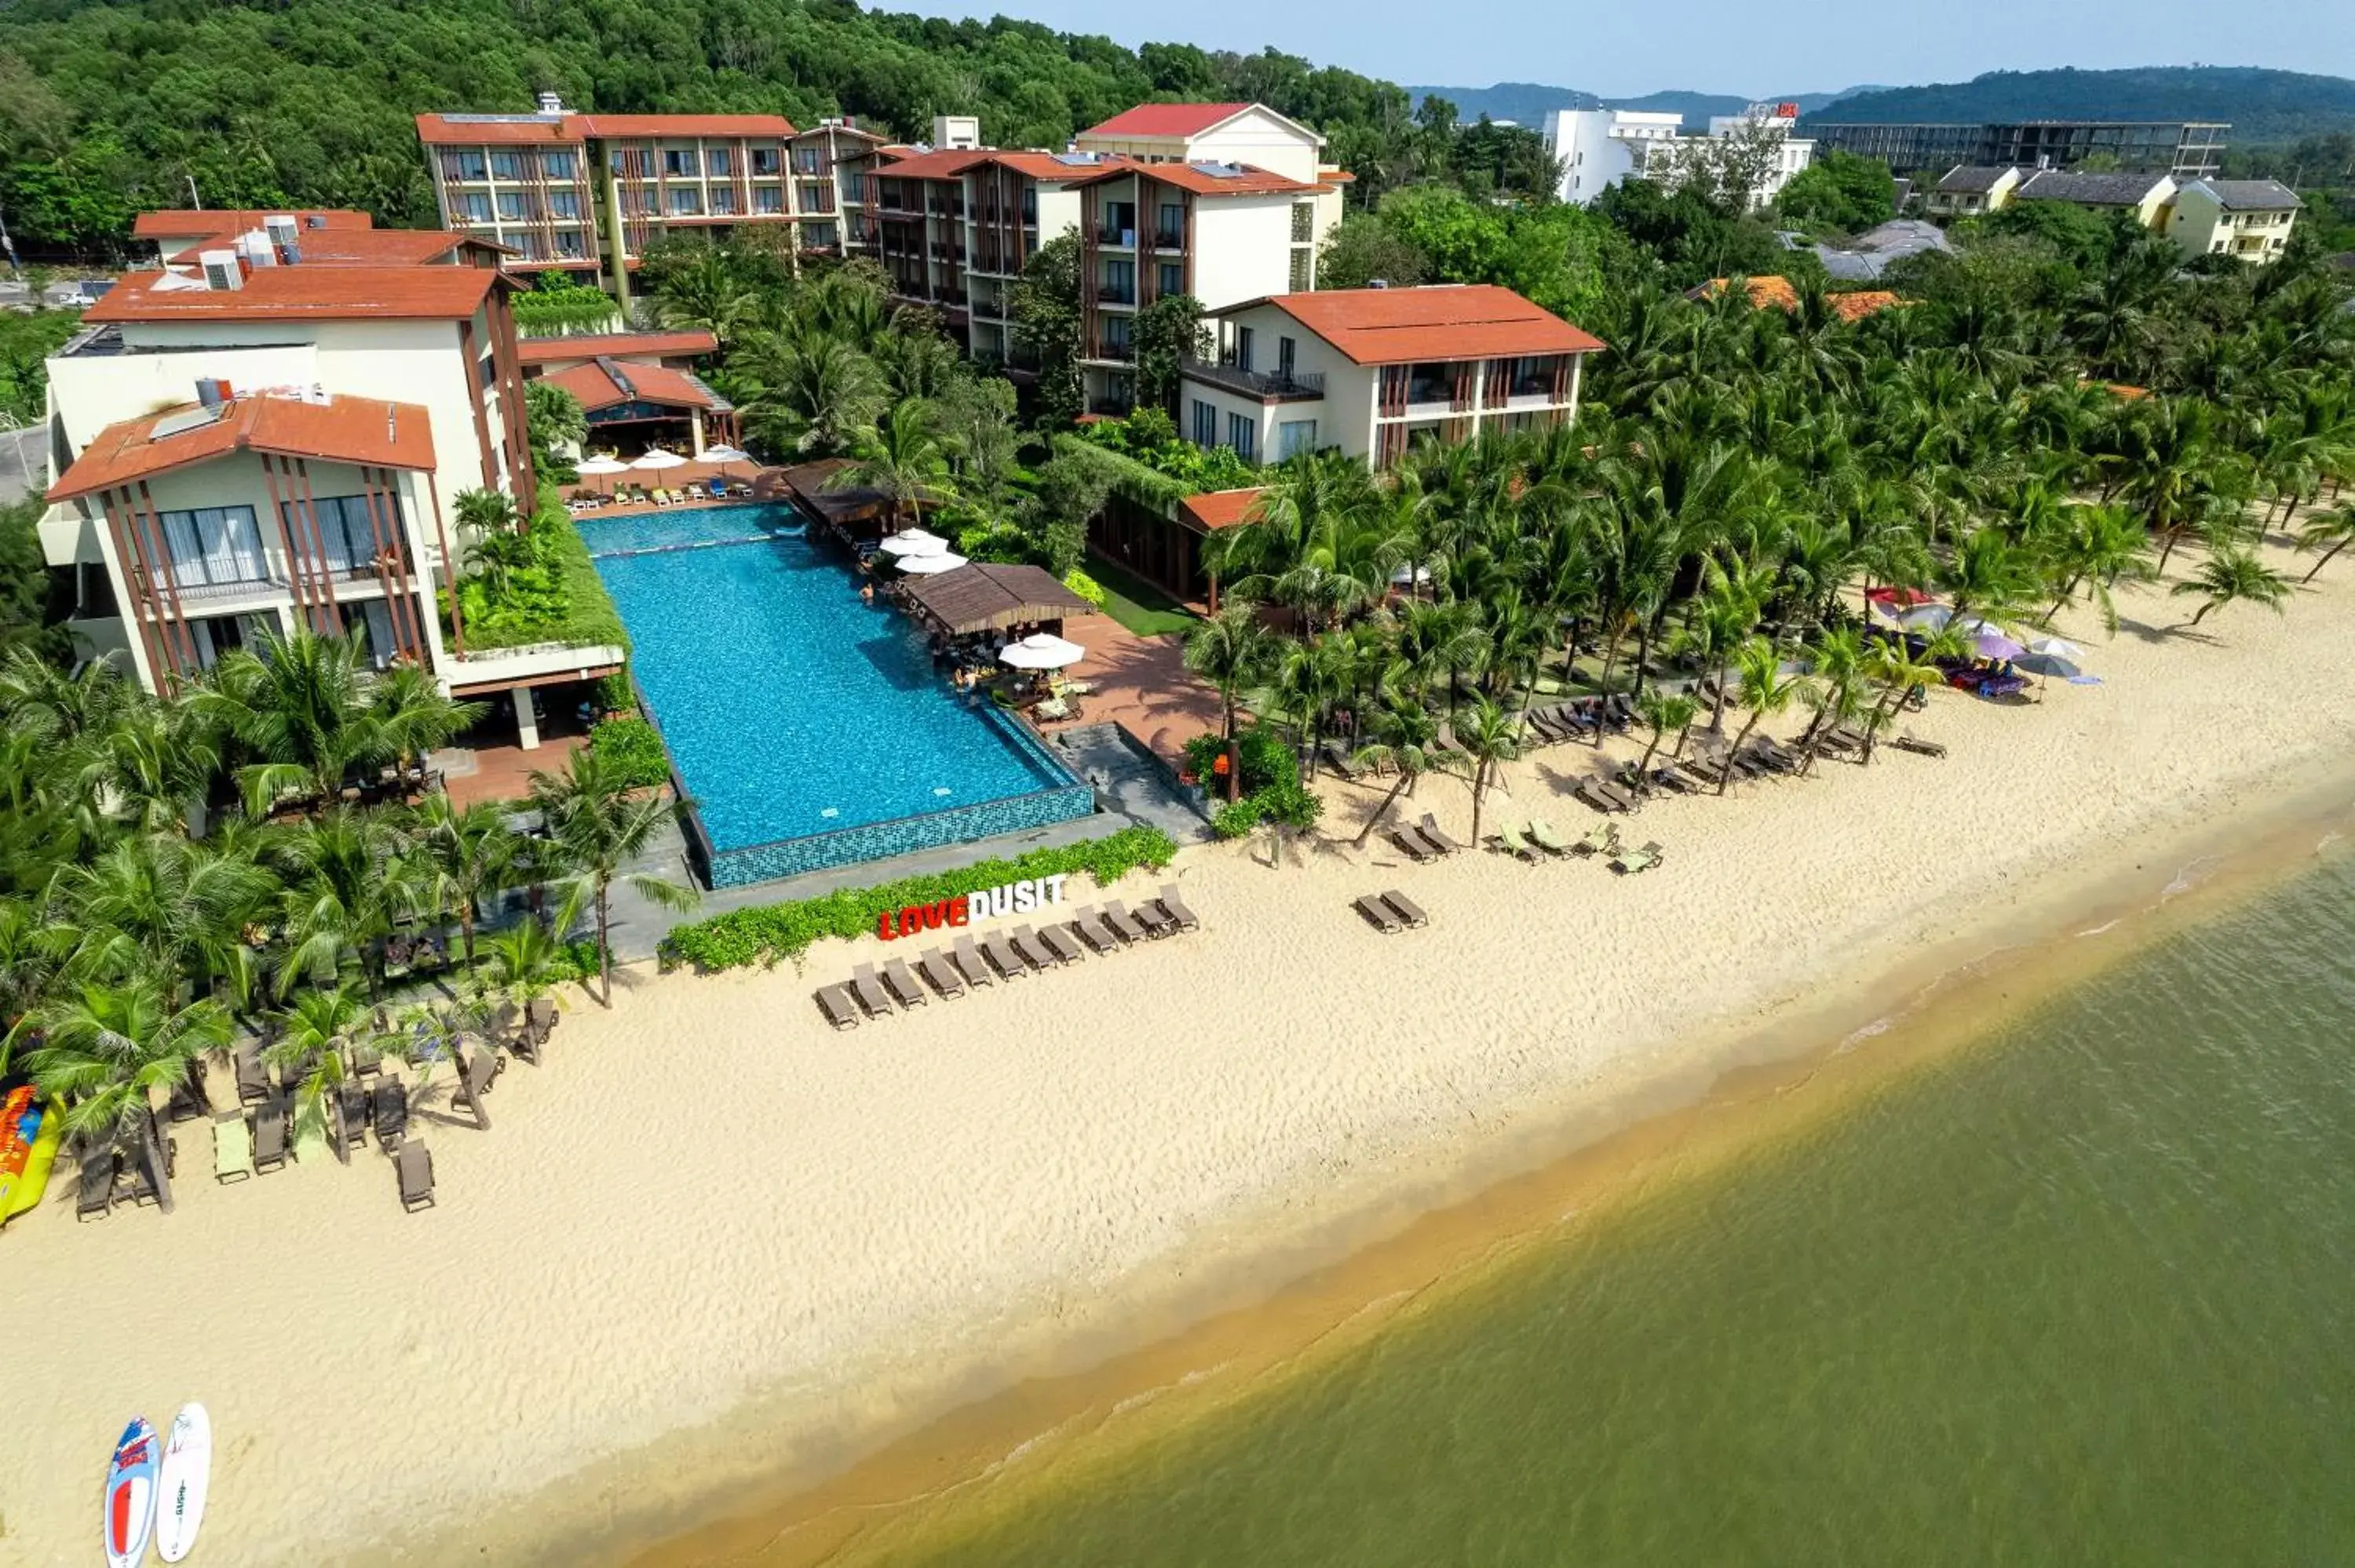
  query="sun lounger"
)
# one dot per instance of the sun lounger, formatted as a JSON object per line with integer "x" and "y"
{"x": 1601, "y": 839}
{"x": 252, "y": 1081}
{"x": 1093, "y": 930}
{"x": 367, "y": 1060}
{"x": 1025, "y": 942}
{"x": 96, "y": 1194}
{"x": 868, "y": 993}
{"x": 901, "y": 982}
{"x": 481, "y": 1072}
{"x": 1645, "y": 859}
{"x": 1405, "y": 909}
{"x": 1129, "y": 926}
{"x": 391, "y": 1106}
{"x": 270, "y": 1136}
{"x": 1009, "y": 960}
{"x": 1618, "y": 712}
{"x": 1062, "y": 944}
{"x": 1510, "y": 840}
{"x": 834, "y": 1000}
{"x": 1666, "y": 776}
{"x": 232, "y": 1147}
{"x": 970, "y": 964}
{"x": 134, "y": 1182}
{"x": 1585, "y": 791}
{"x": 1428, "y": 826}
{"x": 1378, "y": 914}
{"x": 1542, "y": 835}
{"x": 1177, "y": 908}
{"x": 1919, "y": 747}
{"x": 941, "y": 973}
{"x": 1337, "y": 756}
{"x": 352, "y": 1103}
{"x": 1411, "y": 844}
{"x": 415, "y": 1165}
{"x": 541, "y": 1017}
{"x": 188, "y": 1100}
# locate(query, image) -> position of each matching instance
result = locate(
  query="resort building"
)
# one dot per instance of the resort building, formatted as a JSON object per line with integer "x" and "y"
{"x": 1156, "y": 215}
{"x": 178, "y": 230}
{"x": 1968, "y": 189}
{"x": 589, "y": 193}
{"x": 1775, "y": 123}
{"x": 2248, "y": 218}
{"x": 271, "y": 439}
{"x": 1597, "y": 148}
{"x": 2187, "y": 149}
{"x": 1367, "y": 370}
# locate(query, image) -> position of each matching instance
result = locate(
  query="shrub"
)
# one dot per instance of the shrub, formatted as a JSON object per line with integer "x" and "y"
{"x": 1267, "y": 761}
{"x": 633, "y": 746}
{"x": 1237, "y": 819}
{"x": 774, "y": 931}
{"x": 1086, "y": 586}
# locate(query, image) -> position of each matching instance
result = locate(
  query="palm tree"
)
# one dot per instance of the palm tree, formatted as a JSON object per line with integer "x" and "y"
{"x": 1231, "y": 650}
{"x": 416, "y": 714}
{"x": 901, "y": 458}
{"x": 1835, "y": 668}
{"x": 159, "y": 905}
{"x": 1661, "y": 713}
{"x": 2096, "y": 547}
{"x": 2230, "y": 574}
{"x": 1405, "y": 737}
{"x": 2335, "y": 527}
{"x": 464, "y": 854}
{"x": 1899, "y": 672}
{"x": 106, "y": 1049}
{"x": 304, "y": 705}
{"x": 350, "y": 883}
{"x": 705, "y": 294}
{"x": 1765, "y": 690}
{"x": 522, "y": 962}
{"x": 1489, "y": 736}
{"x": 597, "y": 829}
{"x": 315, "y": 1035}
{"x": 805, "y": 392}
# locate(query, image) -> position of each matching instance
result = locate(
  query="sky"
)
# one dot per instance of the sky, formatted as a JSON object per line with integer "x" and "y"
{"x": 1621, "y": 50}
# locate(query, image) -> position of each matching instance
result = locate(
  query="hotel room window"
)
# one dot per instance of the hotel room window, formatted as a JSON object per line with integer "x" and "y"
{"x": 557, "y": 166}
{"x": 686, "y": 203}
{"x": 680, "y": 162}
{"x": 1173, "y": 278}
{"x": 564, "y": 203}
{"x": 765, "y": 160}
{"x": 568, "y": 242}
{"x": 1170, "y": 232}
{"x": 769, "y": 198}
{"x": 716, "y": 162}
{"x": 805, "y": 160}
{"x": 1293, "y": 437}
{"x": 476, "y": 205}
{"x": 1242, "y": 434}
{"x": 466, "y": 166}
{"x": 506, "y": 165}
{"x": 724, "y": 201}
{"x": 512, "y": 205}
{"x": 1206, "y": 424}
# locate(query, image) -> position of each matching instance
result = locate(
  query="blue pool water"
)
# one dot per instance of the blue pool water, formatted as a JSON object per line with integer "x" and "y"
{"x": 797, "y": 713}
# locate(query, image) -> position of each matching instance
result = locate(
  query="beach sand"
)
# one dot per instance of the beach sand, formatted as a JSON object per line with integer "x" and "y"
{"x": 713, "y": 1240}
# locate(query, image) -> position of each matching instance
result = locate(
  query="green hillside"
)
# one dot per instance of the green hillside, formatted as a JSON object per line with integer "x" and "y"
{"x": 2262, "y": 105}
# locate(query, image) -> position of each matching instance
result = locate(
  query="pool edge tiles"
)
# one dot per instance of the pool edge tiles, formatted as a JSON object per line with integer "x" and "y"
{"x": 901, "y": 835}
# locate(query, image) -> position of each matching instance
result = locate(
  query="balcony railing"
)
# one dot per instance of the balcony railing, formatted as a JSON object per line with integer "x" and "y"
{"x": 1107, "y": 234}
{"x": 1275, "y": 387}
{"x": 1112, "y": 294}
{"x": 1122, "y": 352}
{"x": 1169, "y": 239}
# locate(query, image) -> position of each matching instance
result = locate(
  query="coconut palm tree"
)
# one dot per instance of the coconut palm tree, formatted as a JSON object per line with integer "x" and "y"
{"x": 2334, "y": 528}
{"x": 305, "y": 706}
{"x": 805, "y": 392}
{"x": 598, "y": 829}
{"x": 463, "y": 855}
{"x": 1899, "y": 672}
{"x": 1489, "y": 737}
{"x": 349, "y": 882}
{"x": 315, "y": 1034}
{"x": 2230, "y": 575}
{"x": 2094, "y": 547}
{"x": 1765, "y": 689}
{"x": 159, "y": 905}
{"x": 903, "y": 459}
{"x": 522, "y": 962}
{"x": 106, "y": 1049}
{"x": 705, "y": 294}
{"x": 417, "y": 714}
{"x": 1231, "y": 650}
{"x": 1404, "y": 735}
{"x": 1662, "y": 712}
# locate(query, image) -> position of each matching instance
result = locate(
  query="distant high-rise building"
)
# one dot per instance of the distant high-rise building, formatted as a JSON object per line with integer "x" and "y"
{"x": 2186, "y": 149}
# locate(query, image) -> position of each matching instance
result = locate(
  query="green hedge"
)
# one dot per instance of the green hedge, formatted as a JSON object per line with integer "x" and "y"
{"x": 632, "y": 747}
{"x": 774, "y": 931}
{"x": 570, "y": 604}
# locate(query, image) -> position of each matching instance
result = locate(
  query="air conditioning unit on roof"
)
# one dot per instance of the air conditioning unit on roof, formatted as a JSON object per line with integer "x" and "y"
{"x": 222, "y": 271}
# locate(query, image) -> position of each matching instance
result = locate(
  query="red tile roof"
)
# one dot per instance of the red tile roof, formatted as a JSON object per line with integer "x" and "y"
{"x": 321, "y": 293}
{"x": 1773, "y": 289}
{"x": 594, "y": 386}
{"x": 1166, "y": 119}
{"x": 616, "y": 344}
{"x": 943, "y": 164}
{"x": 441, "y": 130}
{"x": 1251, "y": 181}
{"x": 1216, "y": 509}
{"x": 682, "y": 124}
{"x": 447, "y": 131}
{"x": 1448, "y": 320}
{"x": 382, "y": 247}
{"x": 190, "y": 223}
{"x": 341, "y": 430}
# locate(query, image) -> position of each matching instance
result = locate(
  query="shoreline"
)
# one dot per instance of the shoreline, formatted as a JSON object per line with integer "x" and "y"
{"x": 1306, "y": 1296}
{"x": 715, "y": 1255}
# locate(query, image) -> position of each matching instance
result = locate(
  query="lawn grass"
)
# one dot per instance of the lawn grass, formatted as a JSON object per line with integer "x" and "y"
{"x": 1138, "y": 605}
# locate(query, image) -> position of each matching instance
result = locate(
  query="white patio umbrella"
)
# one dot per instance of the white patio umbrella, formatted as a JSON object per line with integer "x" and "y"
{"x": 726, "y": 454}
{"x": 1041, "y": 651}
{"x": 602, "y": 465}
{"x": 657, "y": 458}
{"x": 914, "y": 542}
{"x": 1926, "y": 616}
{"x": 932, "y": 564}
{"x": 2056, "y": 648}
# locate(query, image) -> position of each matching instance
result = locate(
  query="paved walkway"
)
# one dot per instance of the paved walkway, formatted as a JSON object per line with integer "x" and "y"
{"x": 1142, "y": 685}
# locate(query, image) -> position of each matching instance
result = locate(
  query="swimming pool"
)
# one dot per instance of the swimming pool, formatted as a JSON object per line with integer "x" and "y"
{"x": 808, "y": 726}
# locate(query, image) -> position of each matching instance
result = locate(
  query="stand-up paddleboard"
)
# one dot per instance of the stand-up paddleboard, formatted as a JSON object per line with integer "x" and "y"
{"x": 131, "y": 1495}
{"x": 180, "y": 1490}
{"x": 29, "y": 1133}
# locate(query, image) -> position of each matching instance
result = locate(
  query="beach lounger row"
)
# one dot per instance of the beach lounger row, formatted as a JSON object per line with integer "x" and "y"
{"x": 1425, "y": 840}
{"x": 1390, "y": 913}
{"x": 971, "y": 962}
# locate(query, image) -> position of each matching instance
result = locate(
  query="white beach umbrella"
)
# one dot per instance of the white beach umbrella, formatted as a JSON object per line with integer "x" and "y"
{"x": 602, "y": 465}
{"x": 914, "y": 542}
{"x": 1926, "y": 616}
{"x": 726, "y": 454}
{"x": 932, "y": 564}
{"x": 2056, "y": 648}
{"x": 657, "y": 458}
{"x": 1041, "y": 651}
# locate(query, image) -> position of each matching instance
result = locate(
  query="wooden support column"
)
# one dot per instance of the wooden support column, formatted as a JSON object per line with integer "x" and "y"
{"x": 164, "y": 562}
{"x": 449, "y": 571}
{"x": 323, "y": 619}
{"x": 297, "y": 580}
{"x": 386, "y": 558}
{"x": 138, "y": 603}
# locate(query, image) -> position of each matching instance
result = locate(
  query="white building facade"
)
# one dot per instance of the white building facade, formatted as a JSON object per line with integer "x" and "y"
{"x": 1597, "y": 148}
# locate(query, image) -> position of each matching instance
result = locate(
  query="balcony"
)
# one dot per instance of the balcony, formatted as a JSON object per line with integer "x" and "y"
{"x": 1117, "y": 294}
{"x": 1119, "y": 352}
{"x": 1118, "y": 238}
{"x": 1169, "y": 239}
{"x": 1267, "y": 386}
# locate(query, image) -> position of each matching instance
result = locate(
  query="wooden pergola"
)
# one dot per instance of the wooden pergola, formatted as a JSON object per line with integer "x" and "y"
{"x": 987, "y": 596}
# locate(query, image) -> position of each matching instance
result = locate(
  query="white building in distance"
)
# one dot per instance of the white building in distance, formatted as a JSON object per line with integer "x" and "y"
{"x": 1597, "y": 148}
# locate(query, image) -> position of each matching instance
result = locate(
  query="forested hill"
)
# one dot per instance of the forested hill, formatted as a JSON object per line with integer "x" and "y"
{"x": 2262, "y": 105}
{"x": 109, "y": 107}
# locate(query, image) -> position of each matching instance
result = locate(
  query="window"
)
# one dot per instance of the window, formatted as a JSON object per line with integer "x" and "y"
{"x": 616, "y": 162}
{"x": 1030, "y": 205}
{"x": 1120, "y": 282}
{"x": 769, "y": 198}
{"x": 716, "y": 163}
{"x": 1294, "y": 436}
{"x": 685, "y": 202}
{"x": 805, "y": 160}
{"x": 680, "y": 162}
{"x": 766, "y": 160}
{"x": 1533, "y": 376}
{"x": 1206, "y": 424}
{"x": 1116, "y": 335}
{"x": 820, "y": 236}
{"x": 564, "y": 203}
{"x": 1242, "y": 348}
{"x": 724, "y": 201}
{"x": 1284, "y": 351}
{"x": 1170, "y": 232}
{"x": 559, "y": 165}
{"x": 1304, "y": 222}
{"x": 512, "y": 205}
{"x": 506, "y": 165}
{"x": 1173, "y": 278}
{"x": 466, "y": 166}
{"x": 476, "y": 206}
{"x": 1243, "y": 433}
{"x": 1303, "y": 273}
{"x": 567, "y": 243}
{"x": 346, "y": 527}
{"x": 1431, "y": 384}
{"x": 215, "y": 545}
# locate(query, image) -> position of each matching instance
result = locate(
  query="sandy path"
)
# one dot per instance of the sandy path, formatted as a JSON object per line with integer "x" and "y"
{"x": 707, "y": 1196}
